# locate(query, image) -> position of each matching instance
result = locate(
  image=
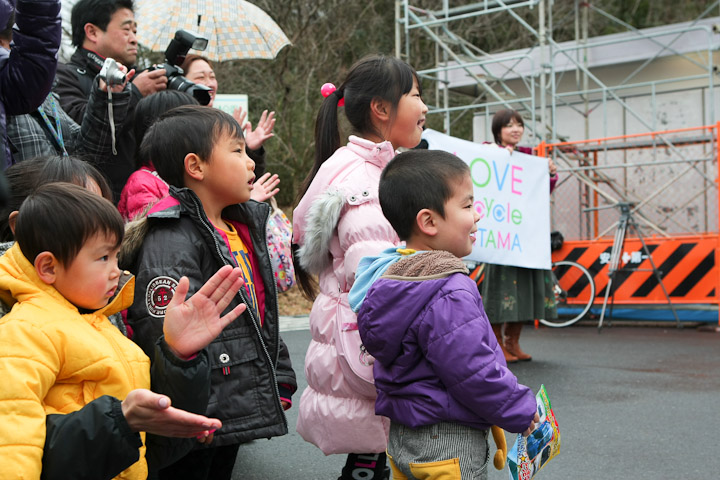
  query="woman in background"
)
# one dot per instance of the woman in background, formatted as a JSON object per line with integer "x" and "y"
{"x": 514, "y": 295}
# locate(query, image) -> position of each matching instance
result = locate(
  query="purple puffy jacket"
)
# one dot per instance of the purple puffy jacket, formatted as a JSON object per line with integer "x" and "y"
{"x": 436, "y": 357}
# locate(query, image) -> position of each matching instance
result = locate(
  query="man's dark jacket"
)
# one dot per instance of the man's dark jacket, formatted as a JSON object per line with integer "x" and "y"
{"x": 74, "y": 82}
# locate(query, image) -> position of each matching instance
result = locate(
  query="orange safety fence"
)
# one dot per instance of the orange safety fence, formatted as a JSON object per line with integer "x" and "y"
{"x": 671, "y": 180}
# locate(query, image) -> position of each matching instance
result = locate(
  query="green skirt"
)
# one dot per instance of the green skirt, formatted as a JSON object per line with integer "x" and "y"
{"x": 514, "y": 294}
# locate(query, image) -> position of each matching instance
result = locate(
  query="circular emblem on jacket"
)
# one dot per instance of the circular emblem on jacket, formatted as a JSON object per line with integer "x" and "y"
{"x": 158, "y": 295}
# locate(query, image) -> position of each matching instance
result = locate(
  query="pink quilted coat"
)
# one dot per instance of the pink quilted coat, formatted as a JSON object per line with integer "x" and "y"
{"x": 336, "y": 223}
{"x": 143, "y": 188}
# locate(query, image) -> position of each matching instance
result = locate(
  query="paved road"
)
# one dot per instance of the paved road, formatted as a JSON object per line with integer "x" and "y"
{"x": 632, "y": 402}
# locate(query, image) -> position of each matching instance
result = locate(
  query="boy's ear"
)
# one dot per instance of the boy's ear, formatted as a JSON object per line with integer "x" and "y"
{"x": 12, "y": 218}
{"x": 46, "y": 267}
{"x": 425, "y": 220}
{"x": 194, "y": 166}
{"x": 380, "y": 108}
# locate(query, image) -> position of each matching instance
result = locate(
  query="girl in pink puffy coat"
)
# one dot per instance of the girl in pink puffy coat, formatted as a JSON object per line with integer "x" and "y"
{"x": 336, "y": 223}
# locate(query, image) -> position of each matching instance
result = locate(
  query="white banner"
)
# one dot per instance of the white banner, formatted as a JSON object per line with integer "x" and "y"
{"x": 512, "y": 196}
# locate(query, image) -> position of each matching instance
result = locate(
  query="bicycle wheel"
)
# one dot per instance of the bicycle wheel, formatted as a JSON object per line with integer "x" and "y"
{"x": 574, "y": 292}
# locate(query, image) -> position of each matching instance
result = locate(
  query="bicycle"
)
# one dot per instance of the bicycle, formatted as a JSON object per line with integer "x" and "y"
{"x": 574, "y": 291}
{"x": 573, "y": 286}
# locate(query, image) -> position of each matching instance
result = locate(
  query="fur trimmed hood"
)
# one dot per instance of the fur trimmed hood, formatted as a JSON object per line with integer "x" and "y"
{"x": 322, "y": 218}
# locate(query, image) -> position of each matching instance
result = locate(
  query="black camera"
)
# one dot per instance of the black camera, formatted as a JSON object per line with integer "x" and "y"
{"x": 174, "y": 56}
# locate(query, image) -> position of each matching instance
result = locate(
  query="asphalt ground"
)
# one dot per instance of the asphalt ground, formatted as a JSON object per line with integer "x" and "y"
{"x": 634, "y": 402}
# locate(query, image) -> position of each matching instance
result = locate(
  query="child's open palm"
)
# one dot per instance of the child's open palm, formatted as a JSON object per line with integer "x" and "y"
{"x": 190, "y": 325}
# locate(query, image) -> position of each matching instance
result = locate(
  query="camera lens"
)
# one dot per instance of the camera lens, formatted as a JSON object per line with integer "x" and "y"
{"x": 201, "y": 93}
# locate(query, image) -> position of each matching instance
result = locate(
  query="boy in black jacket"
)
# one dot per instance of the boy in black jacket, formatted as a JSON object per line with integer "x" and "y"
{"x": 209, "y": 221}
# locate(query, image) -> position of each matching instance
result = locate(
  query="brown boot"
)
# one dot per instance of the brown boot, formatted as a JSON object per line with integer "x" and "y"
{"x": 509, "y": 358}
{"x": 512, "y": 345}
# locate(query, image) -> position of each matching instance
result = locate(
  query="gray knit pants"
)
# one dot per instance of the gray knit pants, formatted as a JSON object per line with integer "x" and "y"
{"x": 443, "y": 450}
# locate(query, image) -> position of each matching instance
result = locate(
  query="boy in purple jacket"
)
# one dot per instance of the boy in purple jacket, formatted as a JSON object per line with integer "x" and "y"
{"x": 440, "y": 375}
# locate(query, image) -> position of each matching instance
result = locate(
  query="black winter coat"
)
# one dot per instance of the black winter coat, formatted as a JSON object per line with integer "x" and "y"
{"x": 250, "y": 364}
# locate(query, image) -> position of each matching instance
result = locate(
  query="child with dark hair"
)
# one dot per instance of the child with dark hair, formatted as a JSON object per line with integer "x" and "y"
{"x": 145, "y": 188}
{"x": 60, "y": 354}
{"x": 440, "y": 375}
{"x": 207, "y": 221}
{"x": 337, "y": 221}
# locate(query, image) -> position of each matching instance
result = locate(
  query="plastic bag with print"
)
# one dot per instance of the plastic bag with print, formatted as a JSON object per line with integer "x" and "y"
{"x": 530, "y": 454}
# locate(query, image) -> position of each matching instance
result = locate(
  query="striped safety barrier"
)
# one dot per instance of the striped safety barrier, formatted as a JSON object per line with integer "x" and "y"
{"x": 686, "y": 263}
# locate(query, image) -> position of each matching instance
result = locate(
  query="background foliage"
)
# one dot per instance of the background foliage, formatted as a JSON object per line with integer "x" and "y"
{"x": 329, "y": 35}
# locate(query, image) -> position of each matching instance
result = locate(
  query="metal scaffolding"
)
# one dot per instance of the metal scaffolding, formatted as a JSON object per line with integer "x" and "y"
{"x": 565, "y": 91}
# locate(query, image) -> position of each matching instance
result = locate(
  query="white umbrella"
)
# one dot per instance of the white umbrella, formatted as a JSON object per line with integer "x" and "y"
{"x": 234, "y": 28}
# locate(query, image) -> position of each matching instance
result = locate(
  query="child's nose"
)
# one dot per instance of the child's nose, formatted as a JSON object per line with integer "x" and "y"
{"x": 116, "y": 269}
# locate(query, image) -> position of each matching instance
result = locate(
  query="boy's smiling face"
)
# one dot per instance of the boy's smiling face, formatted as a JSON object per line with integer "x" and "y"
{"x": 91, "y": 279}
{"x": 456, "y": 232}
{"x": 229, "y": 172}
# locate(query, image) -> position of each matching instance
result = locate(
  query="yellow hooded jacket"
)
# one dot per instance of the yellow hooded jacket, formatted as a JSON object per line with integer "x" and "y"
{"x": 53, "y": 359}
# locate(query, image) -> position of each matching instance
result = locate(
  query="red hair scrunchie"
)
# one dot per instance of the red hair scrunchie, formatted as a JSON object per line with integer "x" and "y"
{"x": 328, "y": 89}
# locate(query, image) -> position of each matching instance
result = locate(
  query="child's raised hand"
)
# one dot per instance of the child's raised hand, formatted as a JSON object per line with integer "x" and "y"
{"x": 150, "y": 412}
{"x": 254, "y": 139}
{"x": 265, "y": 187}
{"x": 531, "y": 428}
{"x": 191, "y": 325}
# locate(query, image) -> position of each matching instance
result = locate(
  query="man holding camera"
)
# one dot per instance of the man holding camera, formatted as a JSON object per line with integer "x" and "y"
{"x": 105, "y": 29}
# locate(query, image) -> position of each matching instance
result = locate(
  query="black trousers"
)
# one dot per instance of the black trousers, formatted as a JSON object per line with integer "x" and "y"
{"x": 215, "y": 463}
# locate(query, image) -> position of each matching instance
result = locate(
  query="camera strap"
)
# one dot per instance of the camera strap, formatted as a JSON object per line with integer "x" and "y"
{"x": 56, "y": 130}
{"x": 111, "y": 120}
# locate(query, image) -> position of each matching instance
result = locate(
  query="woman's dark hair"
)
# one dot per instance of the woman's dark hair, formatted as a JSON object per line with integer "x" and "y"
{"x": 415, "y": 180}
{"x": 192, "y": 58}
{"x": 149, "y": 109}
{"x": 374, "y": 76}
{"x": 25, "y": 177}
{"x": 183, "y": 130}
{"x": 60, "y": 217}
{"x": 501, "y": 119}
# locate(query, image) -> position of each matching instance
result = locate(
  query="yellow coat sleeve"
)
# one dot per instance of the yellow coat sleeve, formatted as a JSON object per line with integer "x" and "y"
{"x": 29, "y": 366}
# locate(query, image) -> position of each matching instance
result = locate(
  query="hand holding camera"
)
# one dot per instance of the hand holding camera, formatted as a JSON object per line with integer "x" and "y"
{"x": 115, "y": 75}
{"x": 151, "y": 80}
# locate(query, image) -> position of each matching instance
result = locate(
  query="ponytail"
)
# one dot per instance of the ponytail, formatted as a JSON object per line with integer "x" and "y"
{"x": 327, "y": 136}
{"x": 327, "y": 141}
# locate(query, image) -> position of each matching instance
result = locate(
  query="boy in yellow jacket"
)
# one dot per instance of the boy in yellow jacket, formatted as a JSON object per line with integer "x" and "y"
{"x": 58, "y": 350}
